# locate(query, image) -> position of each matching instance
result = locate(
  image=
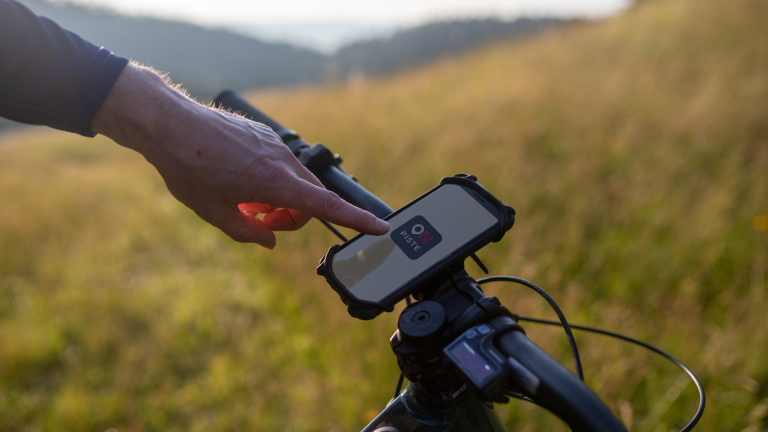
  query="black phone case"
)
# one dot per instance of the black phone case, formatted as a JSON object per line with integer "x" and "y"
{"x": 364, "y": 309}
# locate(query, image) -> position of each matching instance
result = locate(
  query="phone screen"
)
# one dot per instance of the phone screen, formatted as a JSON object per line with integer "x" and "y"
{"x": 422, "y": 235}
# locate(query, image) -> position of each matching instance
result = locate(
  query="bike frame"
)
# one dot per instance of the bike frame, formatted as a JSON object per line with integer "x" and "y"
{"x": 407, "y": 414}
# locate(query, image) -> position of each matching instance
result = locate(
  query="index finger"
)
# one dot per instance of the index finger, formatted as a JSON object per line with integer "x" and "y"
{"x": 321, "y": 203}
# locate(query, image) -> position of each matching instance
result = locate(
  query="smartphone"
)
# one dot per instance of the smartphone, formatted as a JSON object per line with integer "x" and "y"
{"x": 438, "y": 229}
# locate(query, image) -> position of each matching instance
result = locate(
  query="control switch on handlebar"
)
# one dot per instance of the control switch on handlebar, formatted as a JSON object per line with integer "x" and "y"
{"x": 483, "y": 367}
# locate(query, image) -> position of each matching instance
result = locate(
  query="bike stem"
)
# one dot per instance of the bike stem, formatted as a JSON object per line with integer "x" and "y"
{"x": 447, "y": 307}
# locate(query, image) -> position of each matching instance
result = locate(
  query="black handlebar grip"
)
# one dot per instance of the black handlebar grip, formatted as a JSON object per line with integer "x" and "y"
{"x": 233, "y": 101}
{"x": 340, "y": 182}
{"x": 558, "y": 390}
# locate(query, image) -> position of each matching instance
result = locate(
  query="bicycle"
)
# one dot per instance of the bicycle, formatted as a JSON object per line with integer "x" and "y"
{"x": 445, "y": 392}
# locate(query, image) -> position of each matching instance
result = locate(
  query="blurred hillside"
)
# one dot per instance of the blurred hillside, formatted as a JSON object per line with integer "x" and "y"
{"x": 635, "y": 152}
{"x": 203, "y": 60}
{"x": 423, "y": 44}
{"x": 206, "y": 61}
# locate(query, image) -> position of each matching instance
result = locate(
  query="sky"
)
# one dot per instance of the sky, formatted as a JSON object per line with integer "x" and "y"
{"x": 390, "y": 12}
{"x": 326, "y": 24}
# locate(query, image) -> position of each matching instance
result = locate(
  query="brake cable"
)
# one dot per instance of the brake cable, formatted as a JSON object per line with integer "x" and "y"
{"x": 681, "y": 365}
{"x": 563, "y": 323}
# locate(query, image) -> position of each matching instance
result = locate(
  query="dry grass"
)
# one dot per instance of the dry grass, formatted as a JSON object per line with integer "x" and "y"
{"x": 635, "y": 151}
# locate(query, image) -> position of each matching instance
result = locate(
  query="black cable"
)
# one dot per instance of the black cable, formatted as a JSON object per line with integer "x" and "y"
{"x": 568, "y": 332}
{"x": 479, "y": 263}
{"x": 334, "y": 230}
{"x": 402, "y": 376}
{"x": 681, "y": 365}
{"x": 399, "y": 385}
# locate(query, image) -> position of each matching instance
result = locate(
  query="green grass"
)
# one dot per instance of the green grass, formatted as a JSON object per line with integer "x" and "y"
{"x": 636, "y": 154}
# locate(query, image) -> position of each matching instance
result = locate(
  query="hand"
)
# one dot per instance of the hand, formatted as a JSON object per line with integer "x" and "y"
{"x": 226, "y": 168}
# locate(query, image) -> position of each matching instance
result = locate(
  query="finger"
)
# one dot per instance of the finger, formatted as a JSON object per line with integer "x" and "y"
{"x": 256, "y": 208}
{"x": 286, "y": 220}
{"x": 243, "y": 228}
{"x": 323, "y": 204}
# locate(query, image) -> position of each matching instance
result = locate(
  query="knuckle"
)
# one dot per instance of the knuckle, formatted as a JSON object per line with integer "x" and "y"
{"x": 286, "y": 152}
{"x": 267, "y": 133}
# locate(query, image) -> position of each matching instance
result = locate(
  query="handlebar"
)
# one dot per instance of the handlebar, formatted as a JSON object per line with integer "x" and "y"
{"x": 557, "y": 390}
{"x": 336, "y": 180}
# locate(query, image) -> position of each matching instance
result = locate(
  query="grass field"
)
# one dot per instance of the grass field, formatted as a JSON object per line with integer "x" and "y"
{"x": 635, "y": 151}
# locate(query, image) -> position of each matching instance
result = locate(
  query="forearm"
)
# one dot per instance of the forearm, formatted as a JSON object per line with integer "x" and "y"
{"x": 49, "y": 75}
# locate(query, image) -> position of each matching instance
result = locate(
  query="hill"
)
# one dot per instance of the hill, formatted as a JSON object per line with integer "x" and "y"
{"x": 206, "y": 60}
{"x": 634, "y": 151}
{"x": 426, "y": 43}
{"x": 203, "y": 60}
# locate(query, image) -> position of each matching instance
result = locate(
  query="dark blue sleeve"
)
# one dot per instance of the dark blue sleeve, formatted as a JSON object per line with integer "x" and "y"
{"x": 51, "y": 76}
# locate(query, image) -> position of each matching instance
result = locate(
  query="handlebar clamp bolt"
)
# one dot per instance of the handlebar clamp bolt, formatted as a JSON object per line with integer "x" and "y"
{"x": 422, "y": 322}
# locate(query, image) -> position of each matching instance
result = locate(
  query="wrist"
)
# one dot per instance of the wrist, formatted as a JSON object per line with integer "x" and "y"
{"x": 138, "y": 109}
